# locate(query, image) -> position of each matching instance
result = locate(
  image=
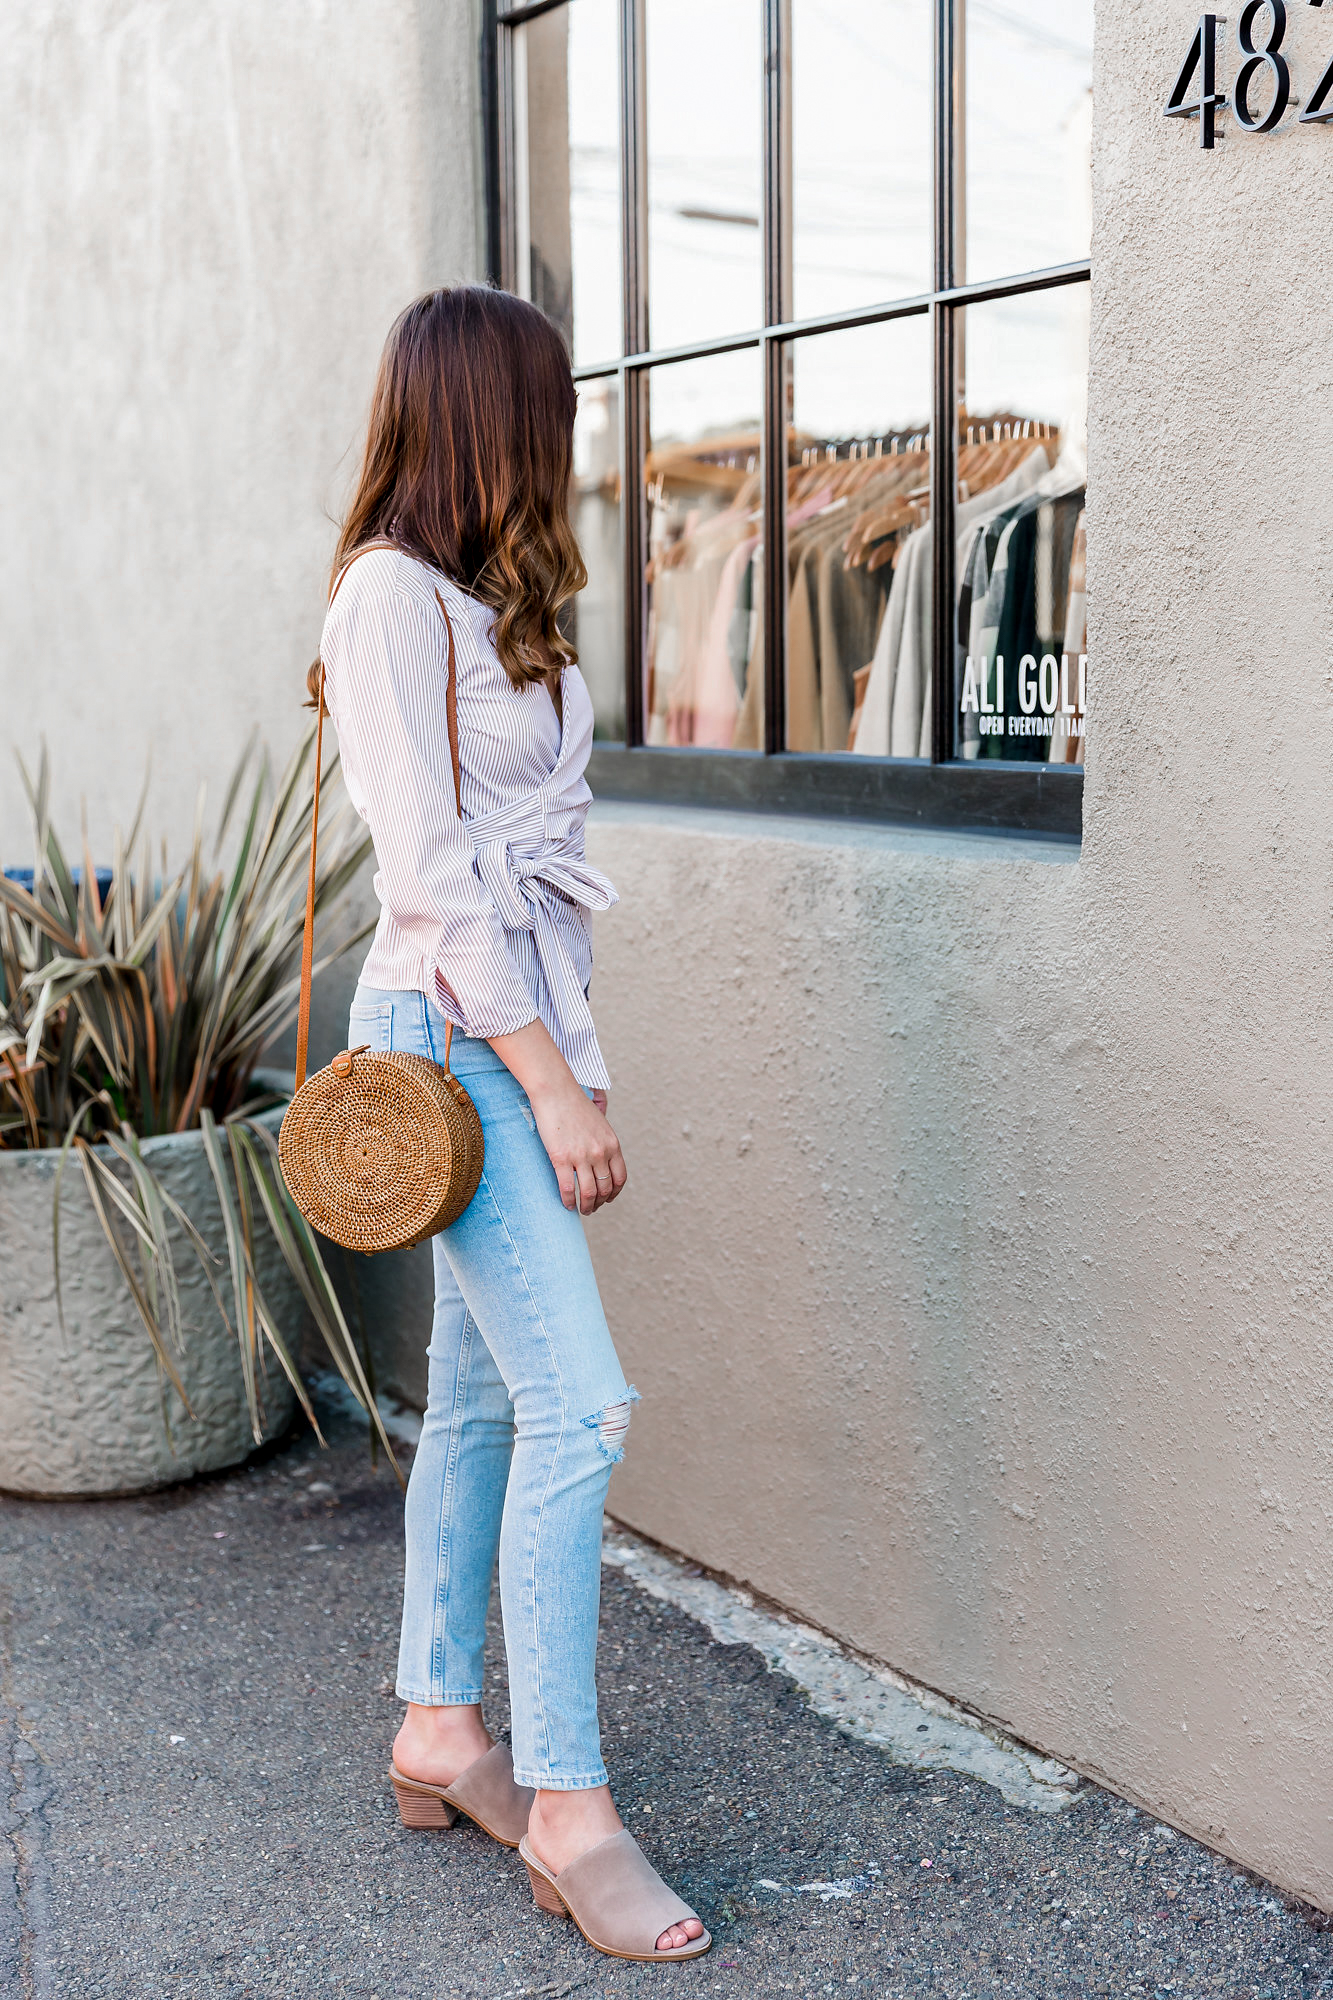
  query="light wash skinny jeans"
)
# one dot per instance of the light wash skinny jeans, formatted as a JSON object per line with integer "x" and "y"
{"x": 527, "y": 1409}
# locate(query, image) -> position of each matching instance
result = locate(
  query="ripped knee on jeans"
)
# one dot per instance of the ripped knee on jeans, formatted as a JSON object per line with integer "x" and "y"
{"x": 611, "y": 1424}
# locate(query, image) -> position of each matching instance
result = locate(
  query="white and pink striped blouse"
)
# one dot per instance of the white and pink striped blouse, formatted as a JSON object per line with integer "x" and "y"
{"x": 487, "y": 915}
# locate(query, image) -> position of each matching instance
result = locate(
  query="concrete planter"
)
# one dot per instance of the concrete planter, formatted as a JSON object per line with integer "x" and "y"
{"x": 81, "y": 1412}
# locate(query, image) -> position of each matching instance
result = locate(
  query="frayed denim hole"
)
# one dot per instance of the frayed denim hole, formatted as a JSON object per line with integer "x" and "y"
{"x": 611, "y": 1425}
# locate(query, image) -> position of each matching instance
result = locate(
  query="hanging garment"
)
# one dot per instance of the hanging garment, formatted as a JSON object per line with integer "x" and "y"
{"x": 973, "y": 639}
{"x": 707, "y": 708}
{"x": 804, "y": 730}
{"x": 1026, "y": 597}
{"x": 1069, "y": 749}
{"x": 851, "y": 605}
{"x": 838, "y": 594}
{"x": 749, "y": 729}
{"x": 691, "y": 570}
{"x": 895, "y": 720}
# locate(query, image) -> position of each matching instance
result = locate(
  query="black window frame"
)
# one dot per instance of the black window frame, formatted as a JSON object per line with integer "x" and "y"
{"x": 944, "y": 791}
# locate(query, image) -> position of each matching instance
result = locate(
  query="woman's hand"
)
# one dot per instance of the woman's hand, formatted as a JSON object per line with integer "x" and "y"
{"x": 579, "y": 1142}
{"x": 582, "y": 1148}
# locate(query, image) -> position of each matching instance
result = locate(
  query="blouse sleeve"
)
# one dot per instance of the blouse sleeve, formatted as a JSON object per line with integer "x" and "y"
{"x": 386, "y": 664}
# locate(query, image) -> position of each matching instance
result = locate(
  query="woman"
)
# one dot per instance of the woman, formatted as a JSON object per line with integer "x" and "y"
{"x": 457, "y": 556}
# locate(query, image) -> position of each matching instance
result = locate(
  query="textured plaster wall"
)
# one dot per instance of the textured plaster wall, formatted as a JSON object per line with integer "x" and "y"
{"x": 208, "y": 218}
{"x": 975, "y": 1262}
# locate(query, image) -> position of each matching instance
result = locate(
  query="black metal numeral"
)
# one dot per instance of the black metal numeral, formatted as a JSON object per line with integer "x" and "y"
{"x": 1203, "y": 58}
{"x": 1318, "y": 111}
{"x": 1264, "y": 57}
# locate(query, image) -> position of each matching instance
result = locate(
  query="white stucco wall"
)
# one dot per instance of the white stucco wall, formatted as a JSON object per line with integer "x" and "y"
{"x": 208, "y": 219}
{"x": 974, "y": 1264}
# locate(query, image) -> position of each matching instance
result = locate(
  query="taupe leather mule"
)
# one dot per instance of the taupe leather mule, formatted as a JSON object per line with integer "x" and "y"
{"x": 486, "y": 1792}
{"x": 617, "y": 1899}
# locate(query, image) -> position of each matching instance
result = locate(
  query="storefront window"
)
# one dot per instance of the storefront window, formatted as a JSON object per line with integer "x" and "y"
{"x": 823, "y": 271}
{"x": 563, "y": 68}
{"x": 1027, "y": 70}
{"x": 858, "y": 513}
{"x": 705, "y": 563}
{"x": 860, "y": 153}
{"x": 705, "y": 272}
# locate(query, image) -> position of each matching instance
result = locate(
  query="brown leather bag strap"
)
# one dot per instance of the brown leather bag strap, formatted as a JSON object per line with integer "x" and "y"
{"x": 451, "y": 722}
{"x": 308, "y": 938}
{"x": 451, "y": 708}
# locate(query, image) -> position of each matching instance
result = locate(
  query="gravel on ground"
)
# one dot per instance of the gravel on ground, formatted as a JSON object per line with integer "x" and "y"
{"x": 196, "y": 1708}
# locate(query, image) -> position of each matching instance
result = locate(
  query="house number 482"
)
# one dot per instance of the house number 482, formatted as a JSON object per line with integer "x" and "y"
{"x": 1263, "y": 79}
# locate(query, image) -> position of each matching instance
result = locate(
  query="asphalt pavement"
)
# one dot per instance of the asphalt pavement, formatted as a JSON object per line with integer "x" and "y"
{"x": 196, "y": 1710}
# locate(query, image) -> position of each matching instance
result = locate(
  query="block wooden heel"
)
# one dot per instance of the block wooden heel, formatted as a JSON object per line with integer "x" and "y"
{"x": 543, "y": 1895}
{"x": 421, "y": 1807}
{"x": 486, "y": 1792}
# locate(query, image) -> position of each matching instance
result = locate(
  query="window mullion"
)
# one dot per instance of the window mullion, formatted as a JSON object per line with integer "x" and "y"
{"x": 777, "y": 221}
{"x": 633, "y": 382}
{"x": 944, "y": 412}
{"x": 634, "y": 175}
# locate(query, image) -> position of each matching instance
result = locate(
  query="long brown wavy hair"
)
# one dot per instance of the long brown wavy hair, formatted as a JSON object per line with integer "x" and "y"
{"x": 468, "y": 461}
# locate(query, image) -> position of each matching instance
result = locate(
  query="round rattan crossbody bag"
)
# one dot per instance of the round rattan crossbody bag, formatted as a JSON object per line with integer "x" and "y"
{"x": 379, "y": 1150}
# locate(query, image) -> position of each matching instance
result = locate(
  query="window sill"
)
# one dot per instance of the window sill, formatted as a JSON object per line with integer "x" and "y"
{"x": 1025, "y": 798}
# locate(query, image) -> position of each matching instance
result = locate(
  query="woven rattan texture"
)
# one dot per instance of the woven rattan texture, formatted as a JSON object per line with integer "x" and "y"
{"x": 384, "y": 1156}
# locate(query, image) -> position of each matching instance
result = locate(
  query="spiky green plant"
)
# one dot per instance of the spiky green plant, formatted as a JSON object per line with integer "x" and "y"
{"x": 146, "y": 1012}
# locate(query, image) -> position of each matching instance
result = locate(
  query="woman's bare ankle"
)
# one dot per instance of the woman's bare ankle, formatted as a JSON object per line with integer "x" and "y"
{"x": 563, "y": 1825}
{"x": 436, "y": 1745}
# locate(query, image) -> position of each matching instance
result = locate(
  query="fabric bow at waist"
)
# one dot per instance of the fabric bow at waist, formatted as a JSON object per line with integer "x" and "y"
{"x": 524, "y": 887}
{"x": 518, "y": 882}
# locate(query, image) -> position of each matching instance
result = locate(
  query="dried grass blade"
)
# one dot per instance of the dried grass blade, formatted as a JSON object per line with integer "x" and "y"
{"x": 151, "y": 1197}
{"x": 22, "y": 1089}
{"x": 92, "y": 897}
{"x": 39, "y": 805}
{"x": 70, "y": 1136}
{"x": 244, "y": 1154}
{"x": 93, "y": 1171}
{"x": 239, "y": 1271}
{"x": 246, "y": 1213}
{"x": 234, "y": 784}
{"x": 46, "y": 922}
{"x": 296, "y": 1240}
{"x": 238, "y": 872}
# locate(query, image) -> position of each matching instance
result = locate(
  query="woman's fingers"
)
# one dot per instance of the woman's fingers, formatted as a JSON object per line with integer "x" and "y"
{"x": 582, "y": 1148}
{"x": 599, "y": 1179}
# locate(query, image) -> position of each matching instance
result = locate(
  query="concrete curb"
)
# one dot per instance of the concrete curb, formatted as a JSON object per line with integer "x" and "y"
{"x": 908, "y": 1723}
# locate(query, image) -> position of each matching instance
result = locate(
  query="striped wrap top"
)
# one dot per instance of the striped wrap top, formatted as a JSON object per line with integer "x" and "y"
{"x": 487, "y": 914}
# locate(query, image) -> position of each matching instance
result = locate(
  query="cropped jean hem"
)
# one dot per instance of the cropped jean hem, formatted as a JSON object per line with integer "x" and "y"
{"x": 458, "y": 1698}
{"x": 547, "y": 1781}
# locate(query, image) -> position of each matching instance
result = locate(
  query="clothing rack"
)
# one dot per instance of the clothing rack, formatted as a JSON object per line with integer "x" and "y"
{"x": 858, "y": 538}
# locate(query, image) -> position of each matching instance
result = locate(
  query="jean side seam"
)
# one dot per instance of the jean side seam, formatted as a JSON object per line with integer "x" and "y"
{"x": 540, "y": 1511}
{"x": 444, "y": 1540}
